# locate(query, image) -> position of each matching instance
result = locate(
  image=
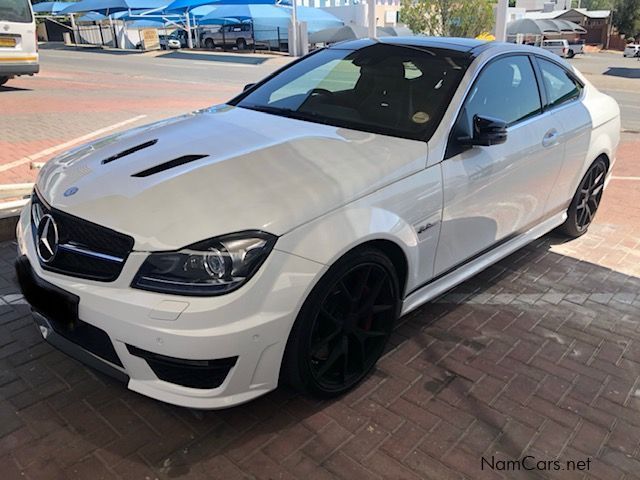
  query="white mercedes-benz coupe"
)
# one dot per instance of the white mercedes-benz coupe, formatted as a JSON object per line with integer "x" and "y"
{"x": 278, "y": 237}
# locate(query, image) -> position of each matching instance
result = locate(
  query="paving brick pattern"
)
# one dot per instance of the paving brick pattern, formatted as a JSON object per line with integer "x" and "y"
{"x": 538, "y": 355}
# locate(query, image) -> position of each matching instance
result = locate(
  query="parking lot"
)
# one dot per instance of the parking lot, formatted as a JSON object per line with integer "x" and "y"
{"x": 538, "y": 355}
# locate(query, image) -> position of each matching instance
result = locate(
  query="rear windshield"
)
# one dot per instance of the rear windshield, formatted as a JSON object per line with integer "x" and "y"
{"x": 387, "y": 89}
{"x": 15, "y": 11}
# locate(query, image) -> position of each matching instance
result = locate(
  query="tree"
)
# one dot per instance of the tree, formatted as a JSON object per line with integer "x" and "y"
{"x": 626, "y": 16}
{"x": 450, "y": 18}
{"x": 626, "y": 13}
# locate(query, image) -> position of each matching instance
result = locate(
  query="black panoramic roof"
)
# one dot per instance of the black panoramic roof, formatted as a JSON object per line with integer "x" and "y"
{"x": 449, "y": 43}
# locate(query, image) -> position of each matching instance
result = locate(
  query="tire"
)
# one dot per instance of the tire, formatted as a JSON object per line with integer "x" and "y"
{"x": 241, "y": 43}
{"x": 343, "y": 325}
{"x": 571, "y": 54}
{"x": 3, "y": 80}
{"x": 209, "y": 43}
{"x": 581, "y": 212}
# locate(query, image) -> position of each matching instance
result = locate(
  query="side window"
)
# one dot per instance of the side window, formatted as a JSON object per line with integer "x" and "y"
{"x": 506, "y": 89}
{"x": 558, "y": 83}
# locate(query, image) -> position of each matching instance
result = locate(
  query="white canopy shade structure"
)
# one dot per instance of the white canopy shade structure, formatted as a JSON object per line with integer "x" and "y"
{"x": 530, "y": 26}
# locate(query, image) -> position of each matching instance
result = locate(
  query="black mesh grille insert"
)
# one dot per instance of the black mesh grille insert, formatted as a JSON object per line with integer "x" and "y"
{"x": 188, "y": 373}
{"x": 105, "y": 245}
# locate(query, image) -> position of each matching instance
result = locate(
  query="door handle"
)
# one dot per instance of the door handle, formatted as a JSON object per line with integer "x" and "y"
{"x": 550, "y": 138}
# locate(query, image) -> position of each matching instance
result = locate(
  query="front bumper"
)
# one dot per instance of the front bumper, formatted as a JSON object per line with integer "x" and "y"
{"x": 251, "y": 324}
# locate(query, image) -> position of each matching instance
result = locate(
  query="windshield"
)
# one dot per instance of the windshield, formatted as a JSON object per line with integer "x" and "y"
{"x": 15, "y": 11}
{"x": 382, "y": 88}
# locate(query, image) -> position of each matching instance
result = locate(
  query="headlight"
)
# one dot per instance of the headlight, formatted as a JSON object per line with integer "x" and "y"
{"x": 211, "y": 267}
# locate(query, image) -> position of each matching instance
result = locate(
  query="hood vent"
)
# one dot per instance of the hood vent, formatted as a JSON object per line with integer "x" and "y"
{"x": 129, "y": 151}
{"x": 176, "y": 162}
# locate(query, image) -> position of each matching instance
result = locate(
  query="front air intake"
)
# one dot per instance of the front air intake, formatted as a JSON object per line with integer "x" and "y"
{"x": 129, "y": 151}
{"x": 176, "y": 162}
{"x": 203, "y": 374}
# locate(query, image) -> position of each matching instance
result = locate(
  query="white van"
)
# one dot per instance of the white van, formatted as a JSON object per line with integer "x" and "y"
{"x": 559, "y": 47}
{"x": 18, "y": 40}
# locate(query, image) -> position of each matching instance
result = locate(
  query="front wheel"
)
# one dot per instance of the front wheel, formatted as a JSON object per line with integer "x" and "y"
{"x": 208, "y": 43}
{"x": 3, "y": 80}
{"x": 241, "y": 43}
{"x": 344, "y": 325}
{"x": 586, "y": 200}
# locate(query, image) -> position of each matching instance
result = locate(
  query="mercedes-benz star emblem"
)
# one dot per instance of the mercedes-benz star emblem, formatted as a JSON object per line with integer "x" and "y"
{"x": 47, "y": 237}
{"x": 70, "y": 191}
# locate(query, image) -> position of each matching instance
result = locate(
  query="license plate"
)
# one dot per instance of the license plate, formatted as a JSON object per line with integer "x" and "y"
{"x": 59, "y": 306}
{"x": 7, "y": 42}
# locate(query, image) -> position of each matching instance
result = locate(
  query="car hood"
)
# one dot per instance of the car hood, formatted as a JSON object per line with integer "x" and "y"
{"x": 256, "y": 171}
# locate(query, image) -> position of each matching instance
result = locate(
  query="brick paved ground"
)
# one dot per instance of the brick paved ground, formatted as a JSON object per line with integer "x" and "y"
{"x": 539, "y": 355}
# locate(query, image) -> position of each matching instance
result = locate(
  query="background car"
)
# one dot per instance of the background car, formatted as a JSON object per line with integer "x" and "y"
{"x": 631, "y": 50}
{"x": 559, "y": 47}
{"x": 239, "y": 35}
{"x": 166, "y": 42}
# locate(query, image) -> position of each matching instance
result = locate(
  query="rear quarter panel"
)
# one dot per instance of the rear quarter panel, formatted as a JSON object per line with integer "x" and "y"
{"x": 600, "y": 114}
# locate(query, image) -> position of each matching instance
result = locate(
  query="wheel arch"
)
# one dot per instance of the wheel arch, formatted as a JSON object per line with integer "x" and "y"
{"x": 326, "y": 240}
{"x": 393, "y": 252}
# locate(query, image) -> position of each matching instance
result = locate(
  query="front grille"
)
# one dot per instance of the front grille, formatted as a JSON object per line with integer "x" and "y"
{"x": 85, "y": 250}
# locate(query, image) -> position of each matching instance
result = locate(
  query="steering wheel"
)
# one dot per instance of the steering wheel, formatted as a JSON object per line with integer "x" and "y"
{"x": 320, "y": 91}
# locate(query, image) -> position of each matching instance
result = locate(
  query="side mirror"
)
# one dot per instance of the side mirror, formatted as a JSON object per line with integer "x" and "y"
{"x": 487, "y": 131}
{"x": 248, "y": 86}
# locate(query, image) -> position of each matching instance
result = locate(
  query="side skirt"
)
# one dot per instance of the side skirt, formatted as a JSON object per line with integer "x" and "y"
{"x": 442, "y": 284}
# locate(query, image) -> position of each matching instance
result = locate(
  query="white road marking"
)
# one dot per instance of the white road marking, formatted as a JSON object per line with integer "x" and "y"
{"x": 626, "y": 178}
{"x": 66, "y": 145}
{"x": 204, "y": 64}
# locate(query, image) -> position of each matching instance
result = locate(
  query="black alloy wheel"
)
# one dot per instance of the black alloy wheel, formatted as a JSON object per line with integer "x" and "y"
{"x": 344, "y": 325}
{"x": 586, "y": 200}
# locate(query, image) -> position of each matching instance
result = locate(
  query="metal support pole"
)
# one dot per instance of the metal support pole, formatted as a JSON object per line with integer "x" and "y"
{"x": 196, "y": 31}
{"x": 371, "y": 14}
{"x": 113, "y": 32}
{"x": 99, "y": 24}
{"x": 294, "y": 31}
{"x": 188, "y": 29}
{"x": 501, "y": 20}
{"x": 72, "y": 21}
{"x": 253, "y": 37}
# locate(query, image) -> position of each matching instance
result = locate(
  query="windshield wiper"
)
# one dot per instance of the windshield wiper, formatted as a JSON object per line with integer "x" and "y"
{"x": 282, "y": 111}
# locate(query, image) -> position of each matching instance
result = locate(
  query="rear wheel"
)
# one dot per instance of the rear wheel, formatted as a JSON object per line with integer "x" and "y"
{"x": 571, "y": 54}
{"x": 3, "y": 80}
{"x": 344, "y": 325}
{"x": 586, "y": 200}
{"x": 241, "y": 43}
{"x": 209, "y": 44}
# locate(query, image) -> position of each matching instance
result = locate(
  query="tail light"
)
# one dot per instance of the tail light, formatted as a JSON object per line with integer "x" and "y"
{"x": 36, "y": 34}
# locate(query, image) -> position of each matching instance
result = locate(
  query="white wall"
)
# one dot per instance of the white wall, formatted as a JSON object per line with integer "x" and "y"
{"x": 539, "y": 5}
{"x": 351, "y": 14}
